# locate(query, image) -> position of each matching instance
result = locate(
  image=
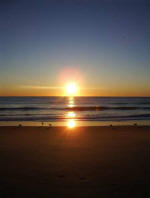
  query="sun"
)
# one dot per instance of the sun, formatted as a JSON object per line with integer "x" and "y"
{"x": 71, "y": 89}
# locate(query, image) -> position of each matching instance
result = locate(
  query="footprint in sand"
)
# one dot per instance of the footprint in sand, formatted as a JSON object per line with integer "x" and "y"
{"x": 83, "y": 178}
{"x": 61, "y": 176}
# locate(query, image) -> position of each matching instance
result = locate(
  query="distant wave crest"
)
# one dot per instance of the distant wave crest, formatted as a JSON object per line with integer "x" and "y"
{"x": 76, "y": 108}
{"x": 46, "y": 117}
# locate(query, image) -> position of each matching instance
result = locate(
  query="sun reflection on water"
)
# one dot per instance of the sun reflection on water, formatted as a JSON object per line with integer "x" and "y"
{"x": 71, "y": 102}
{"x": 71, "y": 123}
{"x": 71, "y": 114}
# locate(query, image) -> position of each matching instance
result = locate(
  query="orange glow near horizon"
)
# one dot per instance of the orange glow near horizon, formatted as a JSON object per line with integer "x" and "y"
{"x": 64, "y": 89}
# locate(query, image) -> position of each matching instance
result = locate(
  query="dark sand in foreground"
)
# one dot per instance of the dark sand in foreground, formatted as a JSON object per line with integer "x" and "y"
{"x": 82, "y": 162}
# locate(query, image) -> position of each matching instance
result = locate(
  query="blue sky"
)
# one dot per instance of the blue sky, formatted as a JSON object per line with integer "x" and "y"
{"x": 107, "y": 41}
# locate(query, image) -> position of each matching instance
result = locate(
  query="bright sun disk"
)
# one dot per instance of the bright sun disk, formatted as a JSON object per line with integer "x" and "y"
{"x": 71, "y": 89}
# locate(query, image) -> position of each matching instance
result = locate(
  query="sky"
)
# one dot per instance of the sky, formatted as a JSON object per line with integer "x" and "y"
{"x": 103, "y": 46}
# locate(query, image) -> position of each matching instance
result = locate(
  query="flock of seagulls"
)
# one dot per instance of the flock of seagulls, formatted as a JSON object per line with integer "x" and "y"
{"x": 42, "y": 124}
{"x": 50, "y": 125}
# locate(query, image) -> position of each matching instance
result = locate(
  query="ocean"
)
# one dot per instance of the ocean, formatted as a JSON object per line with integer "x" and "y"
{"x": 83, "y": 110}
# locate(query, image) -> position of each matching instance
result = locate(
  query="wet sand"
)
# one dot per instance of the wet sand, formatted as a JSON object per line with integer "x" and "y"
{"x": 81, "y": 162}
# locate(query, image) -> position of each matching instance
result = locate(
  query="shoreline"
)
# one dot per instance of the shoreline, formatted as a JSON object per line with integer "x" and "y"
{"x": 77, "y": 123}
{"x": 77, "y": 127}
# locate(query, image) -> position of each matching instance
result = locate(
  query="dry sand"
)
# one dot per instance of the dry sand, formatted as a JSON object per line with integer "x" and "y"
{"x": 82, "y": 162}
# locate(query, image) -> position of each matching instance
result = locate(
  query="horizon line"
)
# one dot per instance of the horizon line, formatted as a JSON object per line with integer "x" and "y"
{"x": 85, "y": 96}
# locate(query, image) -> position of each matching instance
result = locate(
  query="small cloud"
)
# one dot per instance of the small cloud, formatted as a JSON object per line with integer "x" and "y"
{"x": 57, "y": 87}
{"x": 38, "y": 87}
{"x": 95, "y": 88}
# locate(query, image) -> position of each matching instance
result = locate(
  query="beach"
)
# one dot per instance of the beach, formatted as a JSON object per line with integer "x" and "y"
{"x": 96, "y": 161}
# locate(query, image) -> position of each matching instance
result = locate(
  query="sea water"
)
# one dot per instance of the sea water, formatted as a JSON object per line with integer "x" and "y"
{"x": 84, "y": 110}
